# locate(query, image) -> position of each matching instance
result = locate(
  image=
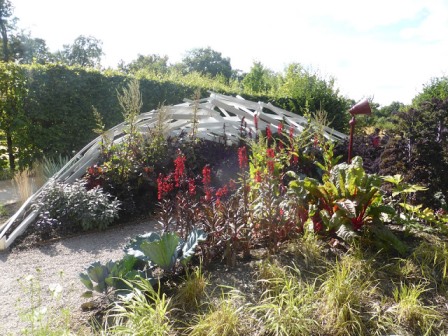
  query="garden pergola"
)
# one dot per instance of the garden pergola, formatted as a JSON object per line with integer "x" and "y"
{"x": 217, "y": 117}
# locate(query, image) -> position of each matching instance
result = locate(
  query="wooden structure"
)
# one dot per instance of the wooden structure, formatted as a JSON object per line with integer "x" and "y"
{"x": 216, "y": 118}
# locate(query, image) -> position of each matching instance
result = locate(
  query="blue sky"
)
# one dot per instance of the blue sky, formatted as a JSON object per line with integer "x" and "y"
{"x": 385, "y": 48}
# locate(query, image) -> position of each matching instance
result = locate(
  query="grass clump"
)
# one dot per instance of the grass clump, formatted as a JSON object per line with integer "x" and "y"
{"x": 288, "y": 304}
{"x": 142, "y": 312}
{"x": 345, "y": 293}
{"x": 227, "y": 317}
{"x": 411, "y": 312}
{"x": 192, "y": 290}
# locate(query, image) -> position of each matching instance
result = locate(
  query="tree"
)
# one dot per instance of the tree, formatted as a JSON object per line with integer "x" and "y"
{"x": 152, "y": 63}
{"x": 26, "y": 49}
{"x": 308, "y": 90}
{"x": 435, "y": 88}
{"x": 259, "y": 79}
{"x": 207, "y": 61}
{"x": 5, "y": 14}
{"x": 85, "y": 51}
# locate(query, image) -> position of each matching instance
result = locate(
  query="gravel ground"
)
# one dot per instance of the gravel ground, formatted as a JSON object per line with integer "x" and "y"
{"x": 71, "y": 256}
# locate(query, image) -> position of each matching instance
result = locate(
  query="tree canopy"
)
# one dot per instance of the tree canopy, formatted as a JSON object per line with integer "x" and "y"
{"x": 207, "y": 61}
{"x": 85, "y": 51}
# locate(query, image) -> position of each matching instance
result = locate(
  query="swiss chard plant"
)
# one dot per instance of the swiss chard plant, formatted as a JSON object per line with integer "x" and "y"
{"x": 347, "y": 203}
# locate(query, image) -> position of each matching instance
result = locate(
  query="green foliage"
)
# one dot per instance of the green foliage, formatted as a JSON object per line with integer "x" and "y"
{"x": 74, "y": 205}
{"x": 303, "y": 89}
{"x": 259, "y": 80}
{"x": 86, "y": 51}
{"x": 207, "y": 61}
{"x": 436, "y": 88}
{"x": 51, "y": 165}
{"x": 288, "y": 304}
{"x": 224, "y": 318}
{"x": 142, "y": 312}
{"x": 418, "y": 149}
{"x": 147, "y": 63}
{"x": 412, "y": 312}
{"x": 106, "y": 278}
{"x": 165, "y": 250}
{"x": 13, "y": 122}
{"x": 192, "y": 290}
{"x": 347, "y": 202}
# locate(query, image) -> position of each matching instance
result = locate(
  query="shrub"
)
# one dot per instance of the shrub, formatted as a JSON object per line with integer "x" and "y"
{"x": 76, "y": 206}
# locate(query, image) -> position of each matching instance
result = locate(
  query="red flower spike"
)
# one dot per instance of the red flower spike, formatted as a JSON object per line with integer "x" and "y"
{"x": 280, "y": 128}
{"x": 268, "y": 132}
{"x": 291, "y": 133}
{"x": 242, "y": 157}
{"x": 256, "y": 121}
{"x": 191, "y": 187}
{"x": 257, "y": 176}
{"x": 206, "y": 175}
{"x": 179, "y": 168}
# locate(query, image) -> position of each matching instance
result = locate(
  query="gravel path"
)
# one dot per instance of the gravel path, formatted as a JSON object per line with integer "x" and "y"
{"x": 71, "y": 256}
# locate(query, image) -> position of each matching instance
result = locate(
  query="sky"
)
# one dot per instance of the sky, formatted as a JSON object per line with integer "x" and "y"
{"x": 385, "y": 49}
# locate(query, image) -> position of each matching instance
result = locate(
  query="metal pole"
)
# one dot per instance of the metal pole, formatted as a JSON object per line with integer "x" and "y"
{"x": 350, "y": 144}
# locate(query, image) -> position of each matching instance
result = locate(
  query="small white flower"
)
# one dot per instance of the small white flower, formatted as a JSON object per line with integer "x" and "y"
{"x": 55, "y": 289}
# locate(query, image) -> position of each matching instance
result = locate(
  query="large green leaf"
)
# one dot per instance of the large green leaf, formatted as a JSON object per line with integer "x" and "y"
{"x": 348, "y": 207}
{"x": 133, "y": 248}
{"x": 193, "y": 239}
{"x": 97, "y": 272}
{"x": 162, "y": 252}
{"x": 86, "y": 281}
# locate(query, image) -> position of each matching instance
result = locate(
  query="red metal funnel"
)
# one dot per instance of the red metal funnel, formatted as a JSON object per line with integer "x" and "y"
{"x": 362, "y": 107}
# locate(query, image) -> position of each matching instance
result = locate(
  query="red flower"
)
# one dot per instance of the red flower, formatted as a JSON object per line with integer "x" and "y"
{"x": 280, "y": 128}
{"x": 191, "y": 187}
{"x": 206, "y": 175}
{"x": 291, "y": 133}
{"x": 256, "y": 122}
{"x": 268, "y": 132}
{"x": 221, "y": 192}
{"x": 208, "y": 194}
{"x": 242, "y": 157}
{"x": 257, "y": 176}
{"x": 179, "y": 168}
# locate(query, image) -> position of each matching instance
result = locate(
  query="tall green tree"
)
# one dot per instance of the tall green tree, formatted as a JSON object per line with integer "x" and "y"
{"x": 5, "y": 25}
{"x": 85, "y": 51}
{"x": 207, "y": 61}
{"x": 259, "y": 80}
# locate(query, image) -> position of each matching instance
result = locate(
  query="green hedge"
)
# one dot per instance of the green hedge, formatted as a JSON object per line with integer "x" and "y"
{"x": 59, "y": 103}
